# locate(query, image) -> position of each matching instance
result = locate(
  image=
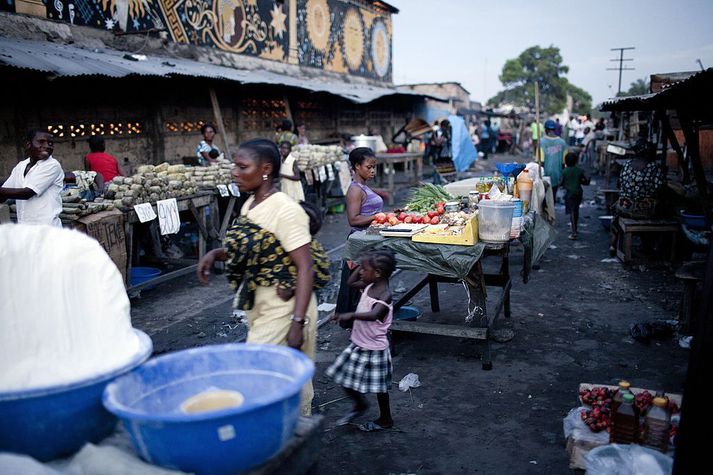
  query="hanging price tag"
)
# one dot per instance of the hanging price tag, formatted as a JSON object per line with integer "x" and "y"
{"x": 234, "y": 189}
{"x": 322, "y": 173}
{"x": 223, "y": 190}
{"x": 145, "y": 212}
{"x": 168, "y": 217}
{"x": 330, "y": 172}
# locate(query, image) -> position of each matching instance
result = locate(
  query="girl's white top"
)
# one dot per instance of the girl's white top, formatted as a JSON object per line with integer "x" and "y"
{"x": 64, "y": 312}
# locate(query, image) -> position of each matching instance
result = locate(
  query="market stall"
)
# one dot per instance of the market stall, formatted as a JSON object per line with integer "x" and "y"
{"x": 413, "y": 169}
{"x": 450, "y": 247}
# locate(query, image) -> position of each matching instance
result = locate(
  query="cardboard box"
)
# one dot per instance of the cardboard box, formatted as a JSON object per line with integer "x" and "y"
{"x": 107, "y": 227}
{"x": 468, "y": 238}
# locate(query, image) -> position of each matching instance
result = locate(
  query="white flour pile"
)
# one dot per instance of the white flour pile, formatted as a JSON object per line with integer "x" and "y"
{"x": 64, "y": 313}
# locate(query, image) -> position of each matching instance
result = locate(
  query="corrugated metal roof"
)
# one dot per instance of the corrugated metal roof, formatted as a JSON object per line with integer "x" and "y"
{"x": 67, "y": 60}
{"x": 694, "y": 91}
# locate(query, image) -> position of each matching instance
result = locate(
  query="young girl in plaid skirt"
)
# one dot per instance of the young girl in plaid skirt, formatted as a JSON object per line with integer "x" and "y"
{"x": 365, "y": 365}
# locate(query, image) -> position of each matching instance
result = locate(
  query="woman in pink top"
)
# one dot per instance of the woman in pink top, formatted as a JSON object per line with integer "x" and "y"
{"x": 365, "y": 365}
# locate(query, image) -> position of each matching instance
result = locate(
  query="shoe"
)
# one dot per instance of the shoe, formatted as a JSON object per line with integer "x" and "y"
{"x": 572, "y": 236}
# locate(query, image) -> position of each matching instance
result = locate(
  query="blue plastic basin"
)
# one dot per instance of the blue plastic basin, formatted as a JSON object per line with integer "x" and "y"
{"x": 694, "y": 221}
{"x": 139, "y": 275}
{"x": 509, "y": 169}
{"x": 47, "y": 423}
{"x": 231, "y": 440}
{"x": 408, "y": 313}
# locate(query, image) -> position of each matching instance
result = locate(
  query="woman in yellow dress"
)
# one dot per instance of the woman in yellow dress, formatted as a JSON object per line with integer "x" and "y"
{"x": 276, "y": 317}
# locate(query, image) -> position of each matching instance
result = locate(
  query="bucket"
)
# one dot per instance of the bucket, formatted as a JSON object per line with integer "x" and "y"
{"x": 231, "y": 438}
{"x": 56, "y": 421}
{"x": 495, "y": 220}
{"x": 364, "y": 141}
{"x": 140, "y": 275}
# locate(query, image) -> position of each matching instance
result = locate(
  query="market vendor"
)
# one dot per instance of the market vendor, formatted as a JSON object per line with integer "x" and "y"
{"x": 640, "y": 183}
{"x": 107, "y": 166}
{"x": 362, "y": 204}
{"x": 290, "y": 180}
{"x": 206, "y": 151}
{"x": 273, "y": 319}
{"x": 36, "y": 182}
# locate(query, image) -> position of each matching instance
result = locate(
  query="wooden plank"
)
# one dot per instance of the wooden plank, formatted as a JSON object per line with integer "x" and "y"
{"x": 226, "y": 218}
{"x": 474, "y": 333}
{"x": 219, "y": 119}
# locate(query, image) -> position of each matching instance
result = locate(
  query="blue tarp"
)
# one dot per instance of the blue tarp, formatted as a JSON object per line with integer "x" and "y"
{"x": 464, "y": 153}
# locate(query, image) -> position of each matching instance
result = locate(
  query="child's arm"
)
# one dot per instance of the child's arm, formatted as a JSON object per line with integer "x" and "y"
{"x": 355, "y": 281}
{"x": 378, "y": 312}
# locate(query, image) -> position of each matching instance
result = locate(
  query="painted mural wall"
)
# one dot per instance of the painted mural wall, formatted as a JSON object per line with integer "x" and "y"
{"x": 347, "y": 37}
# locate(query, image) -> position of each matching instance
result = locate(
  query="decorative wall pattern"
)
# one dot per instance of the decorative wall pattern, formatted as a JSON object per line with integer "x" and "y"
{"x": 343, "y": 37}
{"x": 334, "y": 35}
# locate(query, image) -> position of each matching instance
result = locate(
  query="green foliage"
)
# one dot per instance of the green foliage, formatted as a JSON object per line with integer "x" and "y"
{"x": 543, "y": 65}
{"x": 637, "y": 88}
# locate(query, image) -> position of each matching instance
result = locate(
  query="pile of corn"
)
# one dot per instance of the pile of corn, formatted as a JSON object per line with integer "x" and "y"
{"x": 152, "y": 183}
{"x": 309, "y": 157}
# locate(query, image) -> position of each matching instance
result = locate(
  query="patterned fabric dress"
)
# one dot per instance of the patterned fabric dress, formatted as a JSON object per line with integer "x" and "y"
{"x": 258, "y": 259}
{"x": 639, "y": 189}
{"x": 365, "y": 365}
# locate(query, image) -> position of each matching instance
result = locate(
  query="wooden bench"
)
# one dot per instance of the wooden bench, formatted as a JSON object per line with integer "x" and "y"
{"x": 691, "y": 273}
{"x": 627, "y": 228}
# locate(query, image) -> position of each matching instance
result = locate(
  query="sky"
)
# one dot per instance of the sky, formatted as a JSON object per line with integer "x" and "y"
{"x": 468, "y": 41}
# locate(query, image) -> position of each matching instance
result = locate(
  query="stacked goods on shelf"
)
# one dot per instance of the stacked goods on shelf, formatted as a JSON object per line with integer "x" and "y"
{"x": 309, "y": 157}
{"x": 152, "y": 183}
{"x": 74, "y": 207}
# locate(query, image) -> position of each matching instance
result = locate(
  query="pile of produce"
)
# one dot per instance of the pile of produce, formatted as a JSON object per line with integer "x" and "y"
{"x": 152, "y": 183}
{"x": 428, "y": 197}
{"x": 598, "y": 418}
{"x": 392, "y": 219}
{"x": 309, "y": 157}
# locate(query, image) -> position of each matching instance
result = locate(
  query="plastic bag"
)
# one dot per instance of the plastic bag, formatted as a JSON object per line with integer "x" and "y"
{"x": 573, "y": 426}
{"x": 409, "y": 381}
{"x": 629, "y": 459}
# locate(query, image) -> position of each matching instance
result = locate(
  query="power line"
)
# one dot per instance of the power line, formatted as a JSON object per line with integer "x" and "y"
{"x": 621, "y": 60}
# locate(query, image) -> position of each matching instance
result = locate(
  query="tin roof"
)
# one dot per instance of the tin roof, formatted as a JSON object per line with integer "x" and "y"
{"x": 69, "y": 61}
{"x": 692, "y": 93}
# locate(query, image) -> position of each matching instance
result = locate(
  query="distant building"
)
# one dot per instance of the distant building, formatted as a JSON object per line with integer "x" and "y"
{"x": 458, "y": 97}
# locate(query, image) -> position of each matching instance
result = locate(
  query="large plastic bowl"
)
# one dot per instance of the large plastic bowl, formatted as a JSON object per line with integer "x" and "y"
{"x": 139, "y": 275}
{"x": 47, "y": 423}
{"x": 510, "y": 169}
{"x": 231, "y": 440}
{"x": 694, "y": 221}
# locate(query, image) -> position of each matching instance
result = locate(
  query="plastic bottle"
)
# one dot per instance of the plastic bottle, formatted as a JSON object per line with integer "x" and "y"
{"x": 624, "y": 388}
{"x": 657, "y": 425}
{"x": 625, "y": 422}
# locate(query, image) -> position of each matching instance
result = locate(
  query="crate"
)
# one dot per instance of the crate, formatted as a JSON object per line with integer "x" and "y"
{"x": 469, "y": 236}
{"x": 577, "y": 449}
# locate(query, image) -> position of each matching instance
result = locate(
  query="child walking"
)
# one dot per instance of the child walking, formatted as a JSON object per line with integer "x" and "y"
{"x": 573, "y": 178}
{"x": 365, "y": 365}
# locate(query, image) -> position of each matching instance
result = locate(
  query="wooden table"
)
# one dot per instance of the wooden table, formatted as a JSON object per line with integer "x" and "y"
{"x": 627, "y": 227}
{"x": 208, "y": 229}
{"x": 413, "y": 168}
{"x": 443, "y": 263}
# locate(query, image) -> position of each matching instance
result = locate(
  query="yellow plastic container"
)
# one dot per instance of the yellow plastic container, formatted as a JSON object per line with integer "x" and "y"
{"x": 467, "y": 238}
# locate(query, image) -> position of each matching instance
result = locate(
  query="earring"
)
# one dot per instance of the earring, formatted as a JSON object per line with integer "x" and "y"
{"x": 264, "y": 178}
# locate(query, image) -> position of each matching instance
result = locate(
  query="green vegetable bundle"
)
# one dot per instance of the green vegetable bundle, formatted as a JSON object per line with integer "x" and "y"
{"x": 425, "y": 197}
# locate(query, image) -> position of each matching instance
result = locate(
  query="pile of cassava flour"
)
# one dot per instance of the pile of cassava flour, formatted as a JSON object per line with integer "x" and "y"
{"x": 64, "y": 312}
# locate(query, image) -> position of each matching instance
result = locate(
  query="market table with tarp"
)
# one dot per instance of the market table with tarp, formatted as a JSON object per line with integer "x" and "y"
{"x": 446, "y": 263}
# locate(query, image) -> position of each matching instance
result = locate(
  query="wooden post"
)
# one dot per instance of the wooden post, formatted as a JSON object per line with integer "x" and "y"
{"x": 538, "y": 152}
{"x": 218, "y": 115}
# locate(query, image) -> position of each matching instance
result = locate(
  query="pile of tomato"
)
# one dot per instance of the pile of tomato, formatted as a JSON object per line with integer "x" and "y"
{"x": 598, "y": 418}
{"x": 398, "y": 217}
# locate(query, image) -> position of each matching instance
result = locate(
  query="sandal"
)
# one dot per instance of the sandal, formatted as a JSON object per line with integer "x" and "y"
{"x": 371, "y": 426}
{"x": 350, "y": 416}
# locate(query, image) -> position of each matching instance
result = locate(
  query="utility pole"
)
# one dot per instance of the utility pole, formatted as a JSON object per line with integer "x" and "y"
{"x": 621, "y": 67}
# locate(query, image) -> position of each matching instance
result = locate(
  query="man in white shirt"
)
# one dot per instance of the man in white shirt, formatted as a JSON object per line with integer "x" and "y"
{"x": 572, "y": 126}
{"x": 36, "y": 183}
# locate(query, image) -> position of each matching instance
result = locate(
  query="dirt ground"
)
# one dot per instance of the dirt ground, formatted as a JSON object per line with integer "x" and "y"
{"x": 570, "y": 323}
